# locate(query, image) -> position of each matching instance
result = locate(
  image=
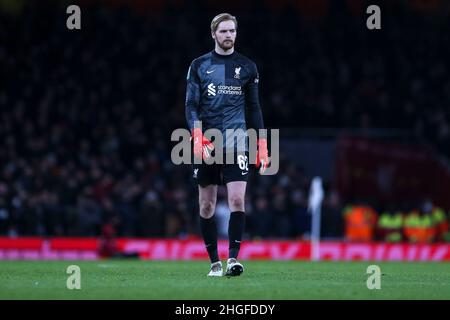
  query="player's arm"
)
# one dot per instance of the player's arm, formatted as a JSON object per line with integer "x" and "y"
{"x": 255, "y": 119}
{"x": 202, "y": 146}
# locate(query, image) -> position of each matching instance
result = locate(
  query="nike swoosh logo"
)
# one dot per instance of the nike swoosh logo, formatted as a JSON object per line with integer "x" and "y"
{"x": 210, "y": 71}
{"x": 237, "y": 241}
{"x": 244, "y": 173}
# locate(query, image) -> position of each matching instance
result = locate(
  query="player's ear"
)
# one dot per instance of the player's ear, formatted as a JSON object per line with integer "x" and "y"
{"x": 213, "y": 35}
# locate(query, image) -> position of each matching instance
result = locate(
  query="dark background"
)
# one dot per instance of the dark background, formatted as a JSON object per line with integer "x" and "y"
{"x": 86, "y": 115}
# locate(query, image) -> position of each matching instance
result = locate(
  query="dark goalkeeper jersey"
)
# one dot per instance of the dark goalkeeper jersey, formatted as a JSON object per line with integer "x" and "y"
{"x": 222, "y": 92}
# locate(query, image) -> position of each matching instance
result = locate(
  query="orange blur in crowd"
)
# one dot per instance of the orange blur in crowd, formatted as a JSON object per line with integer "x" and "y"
{"x": 362, "y": 225}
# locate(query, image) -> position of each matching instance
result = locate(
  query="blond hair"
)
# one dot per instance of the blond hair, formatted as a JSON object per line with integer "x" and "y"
{"x": 220, "y": 18}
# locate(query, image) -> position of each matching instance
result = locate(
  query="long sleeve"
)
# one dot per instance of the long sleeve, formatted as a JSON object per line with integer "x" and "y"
{"x": 192, "y": 97}
{"x": 254, "y": 112}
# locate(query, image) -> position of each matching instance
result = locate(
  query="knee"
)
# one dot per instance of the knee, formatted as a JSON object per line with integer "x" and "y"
{"x": 207, "y": 209}
{"x": 236, "y": 203}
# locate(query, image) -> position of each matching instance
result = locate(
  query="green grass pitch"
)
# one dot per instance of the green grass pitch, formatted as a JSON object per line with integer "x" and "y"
{"x": 182, "y": 280}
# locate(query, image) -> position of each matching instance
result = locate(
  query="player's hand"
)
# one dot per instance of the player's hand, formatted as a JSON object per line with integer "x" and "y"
{"x": 202, "y": 146}
{"x": 262, "y": 156}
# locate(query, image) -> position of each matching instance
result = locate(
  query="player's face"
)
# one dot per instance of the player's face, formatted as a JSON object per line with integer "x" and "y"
{"x": 225, "y": 34}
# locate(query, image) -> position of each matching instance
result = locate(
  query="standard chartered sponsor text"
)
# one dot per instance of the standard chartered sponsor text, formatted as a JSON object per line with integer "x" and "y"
{"x": 234, "y": 90}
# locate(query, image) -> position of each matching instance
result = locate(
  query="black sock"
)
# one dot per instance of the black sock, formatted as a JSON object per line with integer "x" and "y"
{"x": 209, "y": 232}
{"x": 236, "y": 227}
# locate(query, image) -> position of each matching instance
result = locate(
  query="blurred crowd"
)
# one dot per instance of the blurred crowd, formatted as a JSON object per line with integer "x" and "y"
{"x": 86, "y": 116}
{"x": 425, "y": 223}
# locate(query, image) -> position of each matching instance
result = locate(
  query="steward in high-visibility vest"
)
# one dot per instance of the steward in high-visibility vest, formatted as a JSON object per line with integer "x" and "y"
{"x": 360, "y": 221}
{"x": 441, "y": 223}
{"x": 419, "y": 228}
{"x": 390, "y": 227}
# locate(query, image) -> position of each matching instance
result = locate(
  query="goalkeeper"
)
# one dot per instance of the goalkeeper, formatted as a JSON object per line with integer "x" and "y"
{"x": 222, "y": 93}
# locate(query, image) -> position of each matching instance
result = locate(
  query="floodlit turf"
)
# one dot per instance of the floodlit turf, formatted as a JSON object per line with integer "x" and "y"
{"x": 179, "y": 280}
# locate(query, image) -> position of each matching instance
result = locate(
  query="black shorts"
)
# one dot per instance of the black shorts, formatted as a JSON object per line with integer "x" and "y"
{"x": 221, "y": 174}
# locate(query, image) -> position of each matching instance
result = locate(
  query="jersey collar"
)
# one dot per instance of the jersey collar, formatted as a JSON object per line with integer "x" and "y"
{"x": 222, "y": 56}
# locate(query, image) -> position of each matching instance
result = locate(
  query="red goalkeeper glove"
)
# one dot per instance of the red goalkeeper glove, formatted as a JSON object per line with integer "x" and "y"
{"x": 202, "y": 146}
{"x": 262, "y": 156}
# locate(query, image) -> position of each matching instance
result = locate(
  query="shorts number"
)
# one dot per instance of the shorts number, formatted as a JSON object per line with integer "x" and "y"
{"x": 243, "y": 163}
